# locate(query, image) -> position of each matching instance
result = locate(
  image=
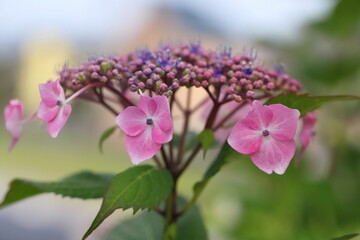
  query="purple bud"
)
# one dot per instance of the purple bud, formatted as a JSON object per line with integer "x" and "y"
{"x": 163, "y": 87}
{"x": 158, "y": 70}
{"x": 205, "y": 83}
{"x": 133, "y": 88}
{"x": 258, "y": 84}
{"x": 208, "y": 74}
{"x": 141, "y": 85}
{"x": 222, "y": 79}
{"x": 103, "y": 79}
{"x": 147, "y": 71}
{"x": 250, "y": 94}
{"x": 270, "y": 86}
{"x": 175, "y": 85}
{"x": 94, "y": 75}
{"x": 170, "y": 75}
{"x": 243, "y": 81}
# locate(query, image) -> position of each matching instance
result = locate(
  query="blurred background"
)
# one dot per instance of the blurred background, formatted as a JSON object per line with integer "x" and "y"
{"x": 319, "y": 42}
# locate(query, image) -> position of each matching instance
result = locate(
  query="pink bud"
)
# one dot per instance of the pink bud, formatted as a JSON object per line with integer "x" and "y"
{"x": 13, "y": 115}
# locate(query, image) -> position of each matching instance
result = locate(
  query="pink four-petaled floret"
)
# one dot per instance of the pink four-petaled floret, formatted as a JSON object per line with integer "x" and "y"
{"x": 53, "y": 108}
{"x": 146, "y": 127}
{"x": 267, "y": 134}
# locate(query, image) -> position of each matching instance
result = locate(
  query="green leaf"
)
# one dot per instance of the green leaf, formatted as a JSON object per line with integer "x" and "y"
{"x": 305, "y": 103}
{"x": 82, "y": 185}
{"x": 214, "y": 168}
{"x": 148, "y": 226}
{"x": 190, "y": 226}
{"x": 106, "y": 134}
{"x": 345, "y": 237}
{"x": 138, "y": 187}
{"x": 206, "y": 139}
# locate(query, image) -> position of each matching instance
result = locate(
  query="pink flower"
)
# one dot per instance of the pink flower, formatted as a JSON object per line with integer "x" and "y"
{"x": 53, "y": 108}
{"x": 13, "y": 115}
{"x": 267, "y": 134}
{"x": 307, "y": 131}
{"x": 146, "y": 127}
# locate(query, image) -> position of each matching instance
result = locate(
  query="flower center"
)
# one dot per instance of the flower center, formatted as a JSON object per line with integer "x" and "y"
{"x": 149, "y": 121}
{"x": 59, "y": 103}
{"x": 265, "y": 133}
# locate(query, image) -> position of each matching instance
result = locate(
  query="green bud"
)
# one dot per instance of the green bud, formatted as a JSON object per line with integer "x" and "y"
{"x": 81, "y": 77}
{"x": 105, "y": 66}
{"x": 186, "y": 71}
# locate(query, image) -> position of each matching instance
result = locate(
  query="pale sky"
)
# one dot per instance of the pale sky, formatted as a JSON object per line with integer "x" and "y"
{"x": 96, "y": 19}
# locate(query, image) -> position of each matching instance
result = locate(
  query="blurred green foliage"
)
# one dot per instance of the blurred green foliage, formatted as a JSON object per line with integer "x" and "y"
{"x": 302, "y": 205}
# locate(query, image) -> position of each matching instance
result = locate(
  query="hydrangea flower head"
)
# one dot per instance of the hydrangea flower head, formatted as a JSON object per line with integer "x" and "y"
{"x": 53, "y": 108}
{"x": 267, "y": 134}
{"x": 13, "y": 115}
{"x": 146, "y": 127}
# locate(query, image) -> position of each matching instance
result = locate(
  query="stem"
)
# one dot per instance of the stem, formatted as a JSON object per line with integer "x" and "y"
{"x": 157, "y": 161}
{"x": 102, "y": 102}
{"x": 187, "y": 114}
{"x": 208, "y": 124}
{"x": 30, "y": 118}
{"x": 171, "y": 147}
{"x": 210, "y": 95}
{"x": 228, "y": 116}
{"x": 169, "y": 229}
{"x": 76, "y": 94}
{"x": 125, "y": 102}
{"x": 165, "y": 158}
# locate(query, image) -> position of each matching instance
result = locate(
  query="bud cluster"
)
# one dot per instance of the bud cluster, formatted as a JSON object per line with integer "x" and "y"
{"x": 167, "y": 68}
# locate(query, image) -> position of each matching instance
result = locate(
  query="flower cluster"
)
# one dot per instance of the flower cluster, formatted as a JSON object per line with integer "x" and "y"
{"x": 234, "y": 84}
{"x": 165, "y": 69}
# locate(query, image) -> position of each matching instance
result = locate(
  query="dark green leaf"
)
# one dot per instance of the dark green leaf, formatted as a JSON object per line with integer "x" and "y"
{"x": 148, "y": 226}
{"x": 82, "y": 185}
{"x": 108, "y": 132}
{"x": 345, "y": 237}
{"x": 138, "y": 187}
{"x": 214, "y": 168}
{"x": 305, "y": 103}
{"x": 206, "y": 139}
{"x": 190, "y": 226}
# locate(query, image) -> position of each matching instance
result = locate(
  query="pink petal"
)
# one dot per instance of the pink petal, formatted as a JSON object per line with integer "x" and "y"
{"x": 307, "y": 130}
{"x": 160, "y": 136}
{"x": 14, "y": 109}
{"x": 244, "y": 139}
{"x": 141, "y": 147}
{"x": 274, "y": 155}
{"x": 148, "y": 105}
{"x": 132, "y": 121}
{"x": 46, "y": 113}
{"x": 284, "y": 122}
{"x": 162, "y": 115}
{"x": 259, "y": 117}
{"x": 59, "y": 121}
{"x": 51, "y": 92}
{"x": 13, "y": 114}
